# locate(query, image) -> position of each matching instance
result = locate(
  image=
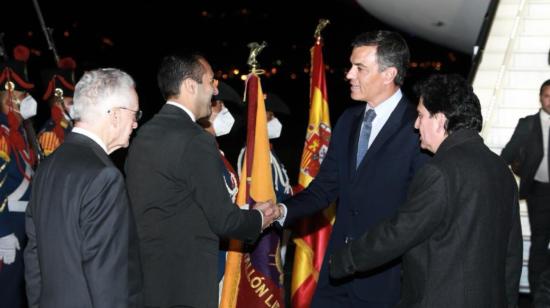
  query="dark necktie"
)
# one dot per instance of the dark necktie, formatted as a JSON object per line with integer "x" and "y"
{"x": 364, "y": 136}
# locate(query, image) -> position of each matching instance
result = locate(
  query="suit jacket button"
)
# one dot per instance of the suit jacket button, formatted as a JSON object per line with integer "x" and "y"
{"x": 348, "y": 239}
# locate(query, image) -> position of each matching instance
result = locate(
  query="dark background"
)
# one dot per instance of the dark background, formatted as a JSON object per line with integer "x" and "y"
{"x": 133, "y": 36}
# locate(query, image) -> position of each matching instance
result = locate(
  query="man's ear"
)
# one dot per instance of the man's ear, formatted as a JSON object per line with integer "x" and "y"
{"x": 441, "y": 122}
{"x": 189, "y": 86}
{"x": 113, "y": 117}
{"x": 389, "y": 75}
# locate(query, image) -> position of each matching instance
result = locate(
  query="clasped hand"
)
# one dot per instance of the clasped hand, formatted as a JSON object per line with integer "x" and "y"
{"x": 270, "y": 211}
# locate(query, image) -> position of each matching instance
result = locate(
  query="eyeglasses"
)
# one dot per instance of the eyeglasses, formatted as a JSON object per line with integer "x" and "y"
{"x": 138, "y": 113}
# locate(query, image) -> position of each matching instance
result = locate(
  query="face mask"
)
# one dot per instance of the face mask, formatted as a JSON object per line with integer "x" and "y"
{"x": 27, "y": 108}
{"x": 274, "y": 128}
{"x": 223, "y": 122}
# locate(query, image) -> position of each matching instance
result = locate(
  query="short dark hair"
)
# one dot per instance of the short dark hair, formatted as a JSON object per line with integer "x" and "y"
{"x": 174, "y": 69}
{"x": 391, "y": 51}
{"x": 544, "y": 85}
{"x": 455, "y": 98}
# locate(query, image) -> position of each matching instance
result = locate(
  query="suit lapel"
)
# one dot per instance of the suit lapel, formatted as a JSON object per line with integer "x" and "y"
{"x": 536, "y": 134}
{"x": 355, "y": 130}
{"x": 391, "y": 126}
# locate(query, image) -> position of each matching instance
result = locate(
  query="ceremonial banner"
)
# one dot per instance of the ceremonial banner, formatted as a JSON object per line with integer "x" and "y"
{"x": 253, "y": 274}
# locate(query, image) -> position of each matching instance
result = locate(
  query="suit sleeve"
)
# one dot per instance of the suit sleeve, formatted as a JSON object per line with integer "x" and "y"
{"x": 511, "y": 151}
{"x": 514, "y": 258}
{"x": 413, "y": 224}
{"x": 205, "y": 169}
{"x": 33, "y": 277}
{"x": 321, "y": 192}
{"x": 104, "y": 225}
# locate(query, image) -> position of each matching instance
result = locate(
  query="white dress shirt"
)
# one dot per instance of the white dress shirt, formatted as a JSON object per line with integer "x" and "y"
{"x": 383, "y": 112}
{"x": 542, "y": 171}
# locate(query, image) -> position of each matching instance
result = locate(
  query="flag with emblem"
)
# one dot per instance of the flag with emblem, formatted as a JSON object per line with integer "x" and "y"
{"x": 312, "y": 232}
{"x": 253, "y": 274}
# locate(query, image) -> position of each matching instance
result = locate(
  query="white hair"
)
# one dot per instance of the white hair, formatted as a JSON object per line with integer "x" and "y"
{"x": 100, "y": 90}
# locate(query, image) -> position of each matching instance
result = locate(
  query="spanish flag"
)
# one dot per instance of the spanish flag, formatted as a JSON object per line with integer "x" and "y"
{"x": 253, "y": 274}
{"x": 312, "y": 232}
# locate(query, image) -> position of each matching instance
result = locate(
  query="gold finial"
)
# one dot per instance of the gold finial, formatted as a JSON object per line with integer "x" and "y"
{"x": 320, "y": 26}
{"x": 255, "y": 49}
{"x": 9, "y": 86}
{"x": 59, "y": 93}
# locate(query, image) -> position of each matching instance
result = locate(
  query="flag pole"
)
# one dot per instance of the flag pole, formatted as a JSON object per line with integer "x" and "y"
{"x": 312, "y": 233}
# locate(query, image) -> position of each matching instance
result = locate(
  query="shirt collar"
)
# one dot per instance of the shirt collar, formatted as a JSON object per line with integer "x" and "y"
{"x": 180, "y": 106}
{"x": 384, "y": 109}
{"x": 89, "y": 134}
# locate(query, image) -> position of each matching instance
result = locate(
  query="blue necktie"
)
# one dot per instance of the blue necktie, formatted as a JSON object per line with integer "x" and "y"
{"x": 364, "y": 136}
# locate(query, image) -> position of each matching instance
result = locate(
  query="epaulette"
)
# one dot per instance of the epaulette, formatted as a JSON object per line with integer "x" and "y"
{"x": 4, "y": 149}
{"x": 49, "y": 142}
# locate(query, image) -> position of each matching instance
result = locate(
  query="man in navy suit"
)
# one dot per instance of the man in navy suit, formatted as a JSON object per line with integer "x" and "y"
{"x": 459, "y": 232}
{"x": 373, "y": 155}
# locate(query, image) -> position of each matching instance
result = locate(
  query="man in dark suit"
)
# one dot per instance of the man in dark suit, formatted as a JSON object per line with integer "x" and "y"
{"x": 176, "y": 188}
{"x": 78, "y": 220}
{"x": 369, "y": 185}
{"x": 459, "y": 230}
{"x": 527, "y": 152}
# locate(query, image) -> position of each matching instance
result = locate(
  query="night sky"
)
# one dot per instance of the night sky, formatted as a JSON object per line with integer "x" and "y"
{"x": 133, "y": 36}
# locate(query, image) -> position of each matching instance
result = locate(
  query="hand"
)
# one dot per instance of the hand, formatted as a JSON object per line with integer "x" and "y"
{"x": 8, "y": 246}
{"x": 341, "y": 263}
{"x": 270, "y": 212}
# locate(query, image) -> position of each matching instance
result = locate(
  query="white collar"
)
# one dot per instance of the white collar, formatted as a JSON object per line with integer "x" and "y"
{"x": 180, "y": 106}
{"x": 94, "y": 137}
{"x": 384, "y": 109}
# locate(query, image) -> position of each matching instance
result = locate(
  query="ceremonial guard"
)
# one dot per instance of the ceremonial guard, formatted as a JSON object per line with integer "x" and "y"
{"x": 275, "y": 105}
{"x": 59, "y": 95}
{"x": 17, "y": 160}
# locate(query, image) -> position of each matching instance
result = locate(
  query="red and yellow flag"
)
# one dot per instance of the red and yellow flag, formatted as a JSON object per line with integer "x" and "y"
{"x": 253, "y": 275}
{"x": 313, "y": 232}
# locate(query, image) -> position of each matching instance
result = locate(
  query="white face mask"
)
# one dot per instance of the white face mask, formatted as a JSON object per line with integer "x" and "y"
{"x": 223, "y": 122}
{"x": 27, "y": 108}
{"x": 274, "y": 128}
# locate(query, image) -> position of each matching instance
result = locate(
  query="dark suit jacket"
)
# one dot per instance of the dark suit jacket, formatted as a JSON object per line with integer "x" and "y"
{"x": 175, "y": 182}
{"x": 78, "y": 223}
{"x": 459, "y": 230}
{"x": 525, "y": 151}
{"x": 367, "y": 195}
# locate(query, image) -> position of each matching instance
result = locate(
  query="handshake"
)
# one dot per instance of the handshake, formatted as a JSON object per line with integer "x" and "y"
{"x": 270, "y": 211}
